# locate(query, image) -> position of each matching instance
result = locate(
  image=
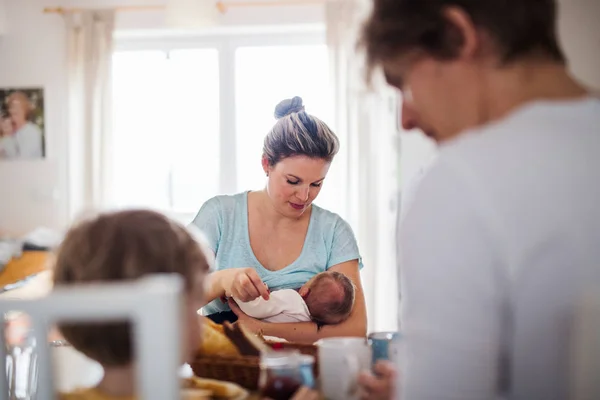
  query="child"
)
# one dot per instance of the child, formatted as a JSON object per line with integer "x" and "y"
{"x": 125, "y": 246}
{"x": 329, "y": 301}
{"x": 8, "y": 143}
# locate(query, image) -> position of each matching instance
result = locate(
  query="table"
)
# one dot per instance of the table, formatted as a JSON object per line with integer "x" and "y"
{"x": 29, "y": 264}
{"x": 28, "y": 276}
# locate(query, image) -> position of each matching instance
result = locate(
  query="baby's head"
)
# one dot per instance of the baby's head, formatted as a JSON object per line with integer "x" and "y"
{"x": 125, "y": 246}
{"x": 330, "y": 298}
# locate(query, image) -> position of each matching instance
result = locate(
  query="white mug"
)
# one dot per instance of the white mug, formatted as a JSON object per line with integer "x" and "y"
{"x": 340, "y": 362}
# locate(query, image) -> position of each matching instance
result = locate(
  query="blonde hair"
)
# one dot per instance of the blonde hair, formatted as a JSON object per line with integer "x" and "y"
{"x": 122, "y": 246}
{"x": 298, "y": 133}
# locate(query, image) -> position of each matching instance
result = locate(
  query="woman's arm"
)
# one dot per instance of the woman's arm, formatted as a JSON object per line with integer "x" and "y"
{"x": 241, "y": 283}
{"x": 307, "y": 332}
{"x": 214, "y": 288}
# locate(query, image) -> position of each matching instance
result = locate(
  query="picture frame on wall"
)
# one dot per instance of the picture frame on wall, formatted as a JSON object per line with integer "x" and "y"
{"x": 22, "y": 124}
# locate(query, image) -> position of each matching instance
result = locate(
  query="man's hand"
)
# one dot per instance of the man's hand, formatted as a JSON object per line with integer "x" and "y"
{"x": 380, "y": 386}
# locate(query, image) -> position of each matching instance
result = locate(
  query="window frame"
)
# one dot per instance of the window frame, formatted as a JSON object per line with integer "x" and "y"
{"x": 226, "y": 41}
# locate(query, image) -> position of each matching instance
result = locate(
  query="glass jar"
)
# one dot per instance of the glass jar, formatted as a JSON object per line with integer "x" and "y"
{"x": 21, "y": 357}
{"x": 280, "y": 374}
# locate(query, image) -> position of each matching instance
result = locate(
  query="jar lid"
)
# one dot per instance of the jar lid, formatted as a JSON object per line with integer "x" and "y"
{"x": 282, "y": 358}
{"x": 306, "y": 359}
{"x": 385, "y": 335}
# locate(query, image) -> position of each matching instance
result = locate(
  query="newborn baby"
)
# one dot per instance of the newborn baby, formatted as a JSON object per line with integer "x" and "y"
{"x": 329, "y": 301}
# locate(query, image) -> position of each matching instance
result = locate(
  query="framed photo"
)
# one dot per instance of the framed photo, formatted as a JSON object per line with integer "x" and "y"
{"x": 22, "y": 133}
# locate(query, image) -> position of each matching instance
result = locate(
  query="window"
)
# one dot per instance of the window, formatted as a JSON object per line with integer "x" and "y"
{"x": 190, "y": 117}
{"x": 264, "y": 77}
{"x": 166, "y": 120}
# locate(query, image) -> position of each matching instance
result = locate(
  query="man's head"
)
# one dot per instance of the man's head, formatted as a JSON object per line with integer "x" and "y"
{"x": 440, "y": 54}
{"x": 330, "y": 298}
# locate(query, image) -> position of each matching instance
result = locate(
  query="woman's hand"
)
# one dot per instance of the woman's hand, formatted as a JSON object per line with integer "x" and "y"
{"x": 303, "y": 393}
{"x": 380, "y": 386}
{"x": 244, "y": 284}
{"x": 252, "y": 324}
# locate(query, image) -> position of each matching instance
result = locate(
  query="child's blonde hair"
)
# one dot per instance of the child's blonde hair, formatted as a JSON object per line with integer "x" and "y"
{"x": 122, "y": 246}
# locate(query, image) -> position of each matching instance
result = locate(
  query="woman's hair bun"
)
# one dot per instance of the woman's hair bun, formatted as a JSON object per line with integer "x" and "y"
{"x": 289, "y": 106}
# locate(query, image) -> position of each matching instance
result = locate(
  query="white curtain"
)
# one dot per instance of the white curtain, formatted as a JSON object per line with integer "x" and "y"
{"x": 367, "y": 118}
{"x": 90, "y": 48}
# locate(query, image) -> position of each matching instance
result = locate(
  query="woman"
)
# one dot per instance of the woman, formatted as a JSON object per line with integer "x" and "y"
{"x": 276, "y": 238}
{"x": 28, "y": 135}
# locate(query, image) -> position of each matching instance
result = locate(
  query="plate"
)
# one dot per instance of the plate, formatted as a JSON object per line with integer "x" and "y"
{"x": 274, "y": 339}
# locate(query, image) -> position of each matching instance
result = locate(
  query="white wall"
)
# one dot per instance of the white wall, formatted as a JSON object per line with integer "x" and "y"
{"x": 580, "y": 34}
{"x": 33, "y": 53}
{"x": 3, "y": 19}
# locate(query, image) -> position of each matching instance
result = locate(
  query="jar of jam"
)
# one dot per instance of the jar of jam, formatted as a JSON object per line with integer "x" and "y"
{"x": 280, "y": 374}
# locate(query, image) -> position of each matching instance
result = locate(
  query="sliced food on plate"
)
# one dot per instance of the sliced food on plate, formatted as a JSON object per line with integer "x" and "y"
{"x": 212, "y": 388}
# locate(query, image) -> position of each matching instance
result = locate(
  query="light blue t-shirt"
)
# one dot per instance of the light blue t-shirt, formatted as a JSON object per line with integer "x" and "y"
{"x": 224, "y": 220}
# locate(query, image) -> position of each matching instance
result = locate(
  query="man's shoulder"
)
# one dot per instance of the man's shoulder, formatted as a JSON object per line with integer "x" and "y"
{"x": 536, "y": 126}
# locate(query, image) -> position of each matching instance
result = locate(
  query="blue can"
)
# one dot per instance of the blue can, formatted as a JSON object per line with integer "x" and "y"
{"x": 382, "y": 346}
{"x": 307, "y": 364}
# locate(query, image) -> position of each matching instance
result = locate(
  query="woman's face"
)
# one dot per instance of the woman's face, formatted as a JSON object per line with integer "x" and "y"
{"x": 294, "y": 182}
{"x": 16, "y": 109}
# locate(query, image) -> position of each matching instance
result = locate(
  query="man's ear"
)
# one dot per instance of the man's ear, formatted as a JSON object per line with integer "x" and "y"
{"x": 467, "y": 34}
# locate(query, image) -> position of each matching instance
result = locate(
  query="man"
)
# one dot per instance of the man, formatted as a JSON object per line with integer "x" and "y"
{"x": 503, "y": 234}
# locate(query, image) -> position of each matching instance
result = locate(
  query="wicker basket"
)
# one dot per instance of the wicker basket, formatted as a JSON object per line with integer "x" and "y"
{"x": 244, "y": 371}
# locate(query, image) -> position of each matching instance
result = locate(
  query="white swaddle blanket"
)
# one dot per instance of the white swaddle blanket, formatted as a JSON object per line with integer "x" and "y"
{"x": 283, "y": 306}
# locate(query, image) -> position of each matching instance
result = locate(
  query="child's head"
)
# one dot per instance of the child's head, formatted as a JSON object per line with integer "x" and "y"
{"x": 6, "y": 128}
{"x": 124, "y": 246}
{"x": 330, "y": 298}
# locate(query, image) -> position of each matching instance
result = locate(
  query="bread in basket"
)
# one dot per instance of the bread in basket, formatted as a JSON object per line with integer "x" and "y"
{"x": 230, "y": 353}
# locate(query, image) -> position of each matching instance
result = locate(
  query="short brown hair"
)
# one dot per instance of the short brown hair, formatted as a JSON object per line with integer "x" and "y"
{"x": 298, "y": 133}
{"x": 330, "y": 309}
{"x": 517, "y": 27}
{"x": 122, "y": 246}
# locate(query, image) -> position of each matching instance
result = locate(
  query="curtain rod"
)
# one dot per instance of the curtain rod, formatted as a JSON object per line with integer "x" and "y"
{"x": 223, "y": 6}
